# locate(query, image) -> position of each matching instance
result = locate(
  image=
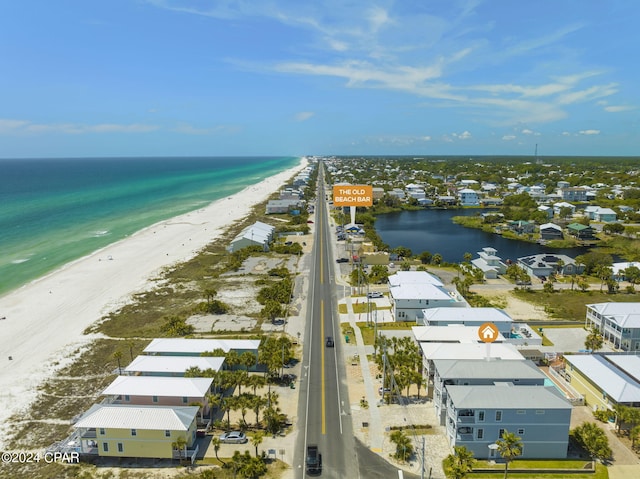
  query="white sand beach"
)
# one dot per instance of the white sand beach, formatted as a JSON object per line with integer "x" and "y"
{"x": 44, "y": 320}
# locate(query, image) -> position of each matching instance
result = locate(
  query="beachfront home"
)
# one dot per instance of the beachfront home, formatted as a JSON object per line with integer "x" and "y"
{"x": 546, "y": 264}
{"x": 257, "y": 234}
{"x": 282, "y": 206}
{"x": 116, "y": 430}
{"x": 605, "y": 380}
{"x": 619, "y": 323}
{"x": 477, "y": 416}
{"x": 580, "y": 231}
{"x": 197, "y": 347}
{"x": 551, "y": 231}
{"x": 160, "y": 391}
{"x": 471, "y": 372}
{"x": 455, "y": 333}
{"x": 411, "y": 292}
{"x": 174, "y": 366}
{"x": 489, "y": 263}
{"x": 467, "y": 316}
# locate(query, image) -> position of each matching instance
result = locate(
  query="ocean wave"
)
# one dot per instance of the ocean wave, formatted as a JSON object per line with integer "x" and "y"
{"x": 98, "y": 234}
{"x": 19, "y": 261}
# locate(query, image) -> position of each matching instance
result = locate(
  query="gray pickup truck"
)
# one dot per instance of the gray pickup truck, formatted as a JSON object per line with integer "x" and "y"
{"x": 314, "y": 460}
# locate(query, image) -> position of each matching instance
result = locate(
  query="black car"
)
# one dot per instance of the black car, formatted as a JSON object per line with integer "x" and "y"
{"x": 329, "y": 342}
{"x": 342, "y": 260}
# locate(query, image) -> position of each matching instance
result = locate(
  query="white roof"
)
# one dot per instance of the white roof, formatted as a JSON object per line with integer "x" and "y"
{"x": 618, "y": 267}
{"x": 615, "y": 383}
{"x": 629, "y": 363}
{"x": 199, "y": 346}
{"x": 415, "y": 277}
{"x": 479, "y": 315}
{"x": 467, "y": 191}
{"x": 551, "y": 225}
{"x": 455, "y": 333}
{"x": 121, "y": 416}
{"x": 173, "y": 364}
{"x": 497, "y": 369}
{"x": 505, "y": 396}
{"x": 420, "y": 291}
{"x": 624, "y": 314}
{"x": 158, "y": 386}
{"x": 432, "y": 351}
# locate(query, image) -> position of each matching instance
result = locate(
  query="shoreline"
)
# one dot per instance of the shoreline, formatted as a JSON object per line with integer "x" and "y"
{"x": 46, "y": 318}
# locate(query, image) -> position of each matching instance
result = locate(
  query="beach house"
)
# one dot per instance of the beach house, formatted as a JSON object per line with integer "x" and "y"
{"x": 116, "y": 430}
{"x": 258, "y": 234}
{"x": 551, "y": 231}
{"x": 175, "y": 366}
{"x": 468, "y": 197}
{"x": 467, "y": 316}
{"x": 197, "y": 347}
{"x": 619, "y": 323}
{"x": 580, "y": 231}
{"x": 478, "y": 415}
{"x": 545, "y": 264}
{"x": 489, "y": 263}
{"x": 411, "y": 292}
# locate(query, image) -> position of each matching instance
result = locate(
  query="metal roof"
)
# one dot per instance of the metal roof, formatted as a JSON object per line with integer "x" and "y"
{"x": 198, "y": 346}
{"x": 623, "y": 314}
{"x": 454, "y": 333}
{"x": 433, "y": 351}
{"x": 467, "y": 314}
{"x": 158, "y": 386}
{"x": 619, "y": 386}
{"x": 493, "y": 369}
{"x": 413, "y": 277}
{"x": 505, "y": 396}
{"x": 173, "y": 364}
{"x": 420, "y": 291}
{"x": 119, "y": 416}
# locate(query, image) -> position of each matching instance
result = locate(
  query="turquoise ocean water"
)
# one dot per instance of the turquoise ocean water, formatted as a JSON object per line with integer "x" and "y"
{"x": 53, "y": 211}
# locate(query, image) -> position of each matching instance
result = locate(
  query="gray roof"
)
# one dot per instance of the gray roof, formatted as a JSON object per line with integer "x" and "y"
{"x": 619, "y": 386}
{"x": 624, "y": 314}
{"x": 502, "y": 369}
{"x": 505, "y": 396}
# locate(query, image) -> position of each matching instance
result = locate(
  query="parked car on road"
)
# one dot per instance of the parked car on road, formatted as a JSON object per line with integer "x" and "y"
{"x": 233, "y": 437}
{"x": 342, "y": 260}
{"x": 375, "y": 294}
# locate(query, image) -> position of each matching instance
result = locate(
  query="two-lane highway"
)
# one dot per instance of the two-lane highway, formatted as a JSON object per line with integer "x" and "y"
{"x": 324, "y": 403}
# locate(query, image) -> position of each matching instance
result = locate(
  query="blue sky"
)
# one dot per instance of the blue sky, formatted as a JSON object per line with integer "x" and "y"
{"x": 292, "y": 77}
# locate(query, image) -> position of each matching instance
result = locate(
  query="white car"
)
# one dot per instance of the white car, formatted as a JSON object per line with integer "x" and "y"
{"x": 233, "y": 437}
{"x": 375, "y": 294}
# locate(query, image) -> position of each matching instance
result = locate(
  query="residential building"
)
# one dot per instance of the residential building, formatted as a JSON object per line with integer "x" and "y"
{"x": 477, "y": 416}
{"x": 548, "y": 210}
{"x": 455, "y": 333}
{"x": 619, "y": 323}
{"x": 282, "y": 206}
{"x": 557, "y": 207}
{"x": 197, "y": 347}
{"x": 472, "y": 372}
{"x": 581, "y": 231}
{"x": 160, "y": 391}
{"x": 522, "y": 226}
{"x": 545, "y": 264}
{"x": 551, "y": 231}
{"x": 117, "y": 430}
{"x": 605, "y": 380}
{"x": 257, "y": 234}
{"x": 468, "y": 197}
{"x": 573, "y": 193}
{"x": 413, "y": 291}
{"x": 606, "y": 215}
{"x": 175, "y": 366}
{"x": 489, "y": 263}
{"x": 618, "y": 269}
{"x": 474, "y": 317}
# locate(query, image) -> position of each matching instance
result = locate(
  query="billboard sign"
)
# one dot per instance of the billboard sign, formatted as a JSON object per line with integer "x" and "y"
{"x": 352, "y": 195}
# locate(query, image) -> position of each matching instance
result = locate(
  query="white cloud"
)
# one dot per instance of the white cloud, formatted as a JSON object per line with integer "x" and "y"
{"x": 527, "y": 131}
{"x": 589, "y": 132}
{"x": 615, "y": 109}
{"x": 8, "y": 126}
{"x": 566, "y": 133}
{"x": 509, "y": 137}
{"x": 304, "y": 115}
{"x": 465, "y": 135}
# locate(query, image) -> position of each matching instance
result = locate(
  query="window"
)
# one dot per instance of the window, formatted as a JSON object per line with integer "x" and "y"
{"x": 120, "y": 447}
{"x": 102, "y": 432}
{"x": 134, "y": 432}
{"x": 480, "y": 434}
{"x": 127, "y": 398}
{"x": 185, "y": 399}
{"x": 501, "y": 433}
{"x": 167, "y": 433}
{"x": 521, "y": 431}
{"x": 155, "y": 398}
{"x": 521, "y": 411}
{"x": 105, "y": 446}
{"x": 539, "y": 411}
{"x": 481, "y": 416}
{"x": 498, "y": 416}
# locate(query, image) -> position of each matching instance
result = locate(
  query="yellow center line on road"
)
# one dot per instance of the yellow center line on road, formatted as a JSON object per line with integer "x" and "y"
{"x": 322, "y": 348}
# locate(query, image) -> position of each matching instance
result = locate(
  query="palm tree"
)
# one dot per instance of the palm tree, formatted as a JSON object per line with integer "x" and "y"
{"x": 459, "y": 464}
{"x": 594, "y": 340}
{"x": 180, "y": 445}
{"x": 256, "y": 440}
{"x": 215, "y": 442}
{"x": 436, "y": 259}
{"x": 118, "y": 356}
{"x": 509, "y": 447}
{"x": 404, "y": 448}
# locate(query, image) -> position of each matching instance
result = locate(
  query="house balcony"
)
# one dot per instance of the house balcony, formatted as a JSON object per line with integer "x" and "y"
{"x": 466, "y": 419}
{"x": 464, "y": 437}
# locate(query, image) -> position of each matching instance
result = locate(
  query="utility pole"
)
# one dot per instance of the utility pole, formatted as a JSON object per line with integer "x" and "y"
{"x": 422, "y": 468}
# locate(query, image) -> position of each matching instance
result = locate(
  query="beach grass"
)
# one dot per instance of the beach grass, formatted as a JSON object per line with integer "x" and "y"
{"x": 570, "y": 305}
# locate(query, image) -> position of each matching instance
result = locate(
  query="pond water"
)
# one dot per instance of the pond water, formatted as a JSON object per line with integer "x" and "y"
{"x": 433, "y": 230}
